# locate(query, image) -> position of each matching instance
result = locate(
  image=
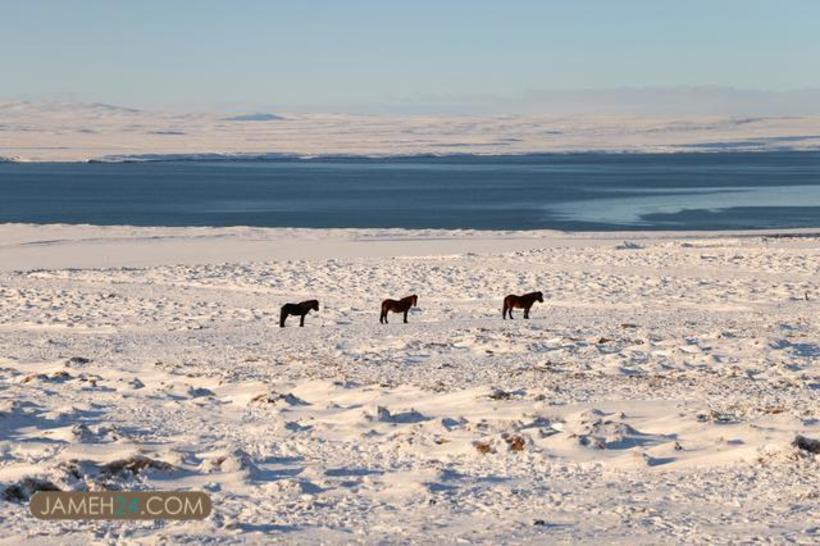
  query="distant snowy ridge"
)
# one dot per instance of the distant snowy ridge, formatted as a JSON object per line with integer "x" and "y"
{"x": 102, "y": 132}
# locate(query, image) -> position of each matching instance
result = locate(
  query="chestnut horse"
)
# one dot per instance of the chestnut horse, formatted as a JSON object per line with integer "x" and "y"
{"x": 521, "y": 302}
{"x": 401, "y": 306}
{"x": 301, "y": 309}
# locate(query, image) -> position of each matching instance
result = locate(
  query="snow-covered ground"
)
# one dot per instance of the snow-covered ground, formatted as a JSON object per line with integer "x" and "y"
{"x": 78, "y": 132}
{"x": 653, "y": 398}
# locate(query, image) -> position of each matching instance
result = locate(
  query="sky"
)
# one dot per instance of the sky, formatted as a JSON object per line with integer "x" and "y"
{"x": 414, "y": 56}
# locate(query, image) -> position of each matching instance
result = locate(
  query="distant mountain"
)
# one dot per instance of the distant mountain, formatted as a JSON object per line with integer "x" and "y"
{"x": 622, "y": 101}
{"x": 112, "y": 108}
{"x": 254, "y": 117}
{"x": 66, "y": 107}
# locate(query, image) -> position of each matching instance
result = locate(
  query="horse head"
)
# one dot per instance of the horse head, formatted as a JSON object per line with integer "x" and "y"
{"x": 539, "y": 296}
{"x": 315, "y": 305}
{"x": 415, "y": 299}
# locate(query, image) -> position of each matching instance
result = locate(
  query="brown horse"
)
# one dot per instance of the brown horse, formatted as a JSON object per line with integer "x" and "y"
{"x": 401, "y": 306}
{"x": 301, "y": 309}
{"x": 521, "y": 302}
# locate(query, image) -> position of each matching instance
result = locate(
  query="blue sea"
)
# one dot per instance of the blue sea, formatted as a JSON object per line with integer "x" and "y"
{"x": 580, "y": 192}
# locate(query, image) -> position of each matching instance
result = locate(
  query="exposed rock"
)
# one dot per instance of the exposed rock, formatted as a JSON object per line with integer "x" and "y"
{"x": 25, "y": 488}
{"x": 807, "y": 444}
{"x": 275, "y": 397}
{"x": 134, "y": 465}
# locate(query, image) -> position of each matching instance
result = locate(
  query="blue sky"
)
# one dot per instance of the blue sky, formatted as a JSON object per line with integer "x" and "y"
{"x": 337, "y": 55}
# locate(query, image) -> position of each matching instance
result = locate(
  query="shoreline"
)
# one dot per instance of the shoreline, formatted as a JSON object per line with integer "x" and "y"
{"x": 253, "y": 157}
{"x": 32, "y": 246}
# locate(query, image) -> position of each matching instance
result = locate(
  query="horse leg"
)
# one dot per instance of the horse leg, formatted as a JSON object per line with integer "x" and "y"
{"x": 405, "y": 315}
{"x": 383, "y": 317}
{"x": 526, "y": 312}
{"x": 504, "y": 312}
{"x": 302, "y": 320}
{"x": 282, "y": 316}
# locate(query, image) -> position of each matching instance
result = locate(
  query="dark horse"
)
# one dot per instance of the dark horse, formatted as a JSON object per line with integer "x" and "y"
{"x": 301, "y": 309}
{"x": 401, "y": 306}
{"x": 521, "y": 302}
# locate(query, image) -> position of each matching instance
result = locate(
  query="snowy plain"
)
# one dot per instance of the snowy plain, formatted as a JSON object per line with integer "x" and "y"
{"x": 653, "y": 398}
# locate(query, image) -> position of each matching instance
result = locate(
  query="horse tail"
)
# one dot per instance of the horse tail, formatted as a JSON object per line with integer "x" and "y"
{"x": 282, "y": 316}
